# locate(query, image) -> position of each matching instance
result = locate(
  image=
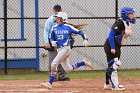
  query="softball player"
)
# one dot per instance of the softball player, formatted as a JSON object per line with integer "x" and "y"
{"x": 60, "y": 38}
{"x": 52, "y": 52}
{"x": 118, "y": 35}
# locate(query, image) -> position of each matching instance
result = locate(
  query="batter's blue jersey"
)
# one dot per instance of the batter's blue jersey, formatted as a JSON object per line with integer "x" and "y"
{"x": 61, "y": 34}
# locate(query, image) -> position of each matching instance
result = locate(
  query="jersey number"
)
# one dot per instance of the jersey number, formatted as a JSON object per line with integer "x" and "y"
{"x": 60, "y": 37}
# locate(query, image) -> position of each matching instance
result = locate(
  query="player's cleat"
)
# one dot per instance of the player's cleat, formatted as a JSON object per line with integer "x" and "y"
{"x": 47, "y": 85}
{"x": 63, "y": 78}
{"x": 119, "y": 88}
{"x": 88, "y": 63}
{"x": 107, "y": 86}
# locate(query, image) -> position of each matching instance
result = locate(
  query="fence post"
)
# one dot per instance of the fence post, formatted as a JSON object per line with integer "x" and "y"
{"x": 5, "y": 36}
{"x": 22, "y": 16}
{"x": 37, "y": 34}
{"x": 116, "y": 9}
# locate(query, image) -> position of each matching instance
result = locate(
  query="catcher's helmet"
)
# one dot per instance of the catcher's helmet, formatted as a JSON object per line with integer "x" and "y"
{"x": 124, "y": 14}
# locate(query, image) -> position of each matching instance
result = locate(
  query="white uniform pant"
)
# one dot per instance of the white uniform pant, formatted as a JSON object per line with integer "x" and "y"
{"x": 62, "y": 58}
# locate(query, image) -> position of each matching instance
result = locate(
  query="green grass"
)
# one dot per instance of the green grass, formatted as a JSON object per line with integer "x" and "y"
{"x": 33, "y": 76}
{"x": 73, "y": 75}
{"x": 101, "y": 74}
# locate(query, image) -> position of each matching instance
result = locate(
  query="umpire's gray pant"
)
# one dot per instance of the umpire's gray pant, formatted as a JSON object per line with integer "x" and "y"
{"x": 60, "y": 71}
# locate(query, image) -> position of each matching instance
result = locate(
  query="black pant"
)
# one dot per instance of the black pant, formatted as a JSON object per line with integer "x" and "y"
{"x": 110, "y": 56}
{"x": 107, "y": 50}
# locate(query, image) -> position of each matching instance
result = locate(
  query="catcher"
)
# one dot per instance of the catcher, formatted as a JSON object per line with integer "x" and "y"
{"x": 118, "y": 35}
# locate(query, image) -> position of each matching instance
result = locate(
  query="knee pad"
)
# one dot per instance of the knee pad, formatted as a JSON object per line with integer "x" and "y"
{"x": 116, "y": 65}
{"x": 114, "y": 79}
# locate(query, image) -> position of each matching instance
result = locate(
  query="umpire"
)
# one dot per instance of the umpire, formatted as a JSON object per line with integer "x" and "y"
{"x": 60, "y": 76}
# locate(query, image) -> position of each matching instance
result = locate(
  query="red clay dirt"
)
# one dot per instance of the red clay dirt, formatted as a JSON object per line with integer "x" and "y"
{"x": 73, "y": 86}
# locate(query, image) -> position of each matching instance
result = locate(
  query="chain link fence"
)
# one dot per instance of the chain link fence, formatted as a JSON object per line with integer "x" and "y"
{"x": 25, "y": 26}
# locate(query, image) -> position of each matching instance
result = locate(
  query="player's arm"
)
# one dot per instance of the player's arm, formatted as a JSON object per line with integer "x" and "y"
{"x": 111, "y": 38}
{"x": 76, "y": 31}
{"x": 128, "y": 32}
{"x": 117, "y": 26}
{"x": 52, "y": 38}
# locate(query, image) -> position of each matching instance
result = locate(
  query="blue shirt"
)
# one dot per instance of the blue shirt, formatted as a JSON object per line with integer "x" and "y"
{"x": 47, "y": 29}
{"x": 61, "y": 34}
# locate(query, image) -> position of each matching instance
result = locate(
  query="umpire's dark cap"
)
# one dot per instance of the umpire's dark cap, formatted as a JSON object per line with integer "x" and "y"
{"x": 57, "y": 7}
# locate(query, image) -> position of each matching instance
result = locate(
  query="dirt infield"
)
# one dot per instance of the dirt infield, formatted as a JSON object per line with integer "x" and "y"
{"x": 73, "y": 86}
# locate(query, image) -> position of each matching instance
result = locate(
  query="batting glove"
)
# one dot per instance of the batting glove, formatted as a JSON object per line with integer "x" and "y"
{"x": 54, "y": 43}
{"x": 85, "y": 43}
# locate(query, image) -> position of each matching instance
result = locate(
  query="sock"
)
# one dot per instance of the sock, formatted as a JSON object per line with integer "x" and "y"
{"x": 51, "y": 79}
{"x": 78, "y": 64}
{"x": 109, "y": 71}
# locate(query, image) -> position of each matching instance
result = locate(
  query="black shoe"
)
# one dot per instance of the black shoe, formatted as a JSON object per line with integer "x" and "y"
{"x": 64, "y": 79}
{"x": 55, "y": 79}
